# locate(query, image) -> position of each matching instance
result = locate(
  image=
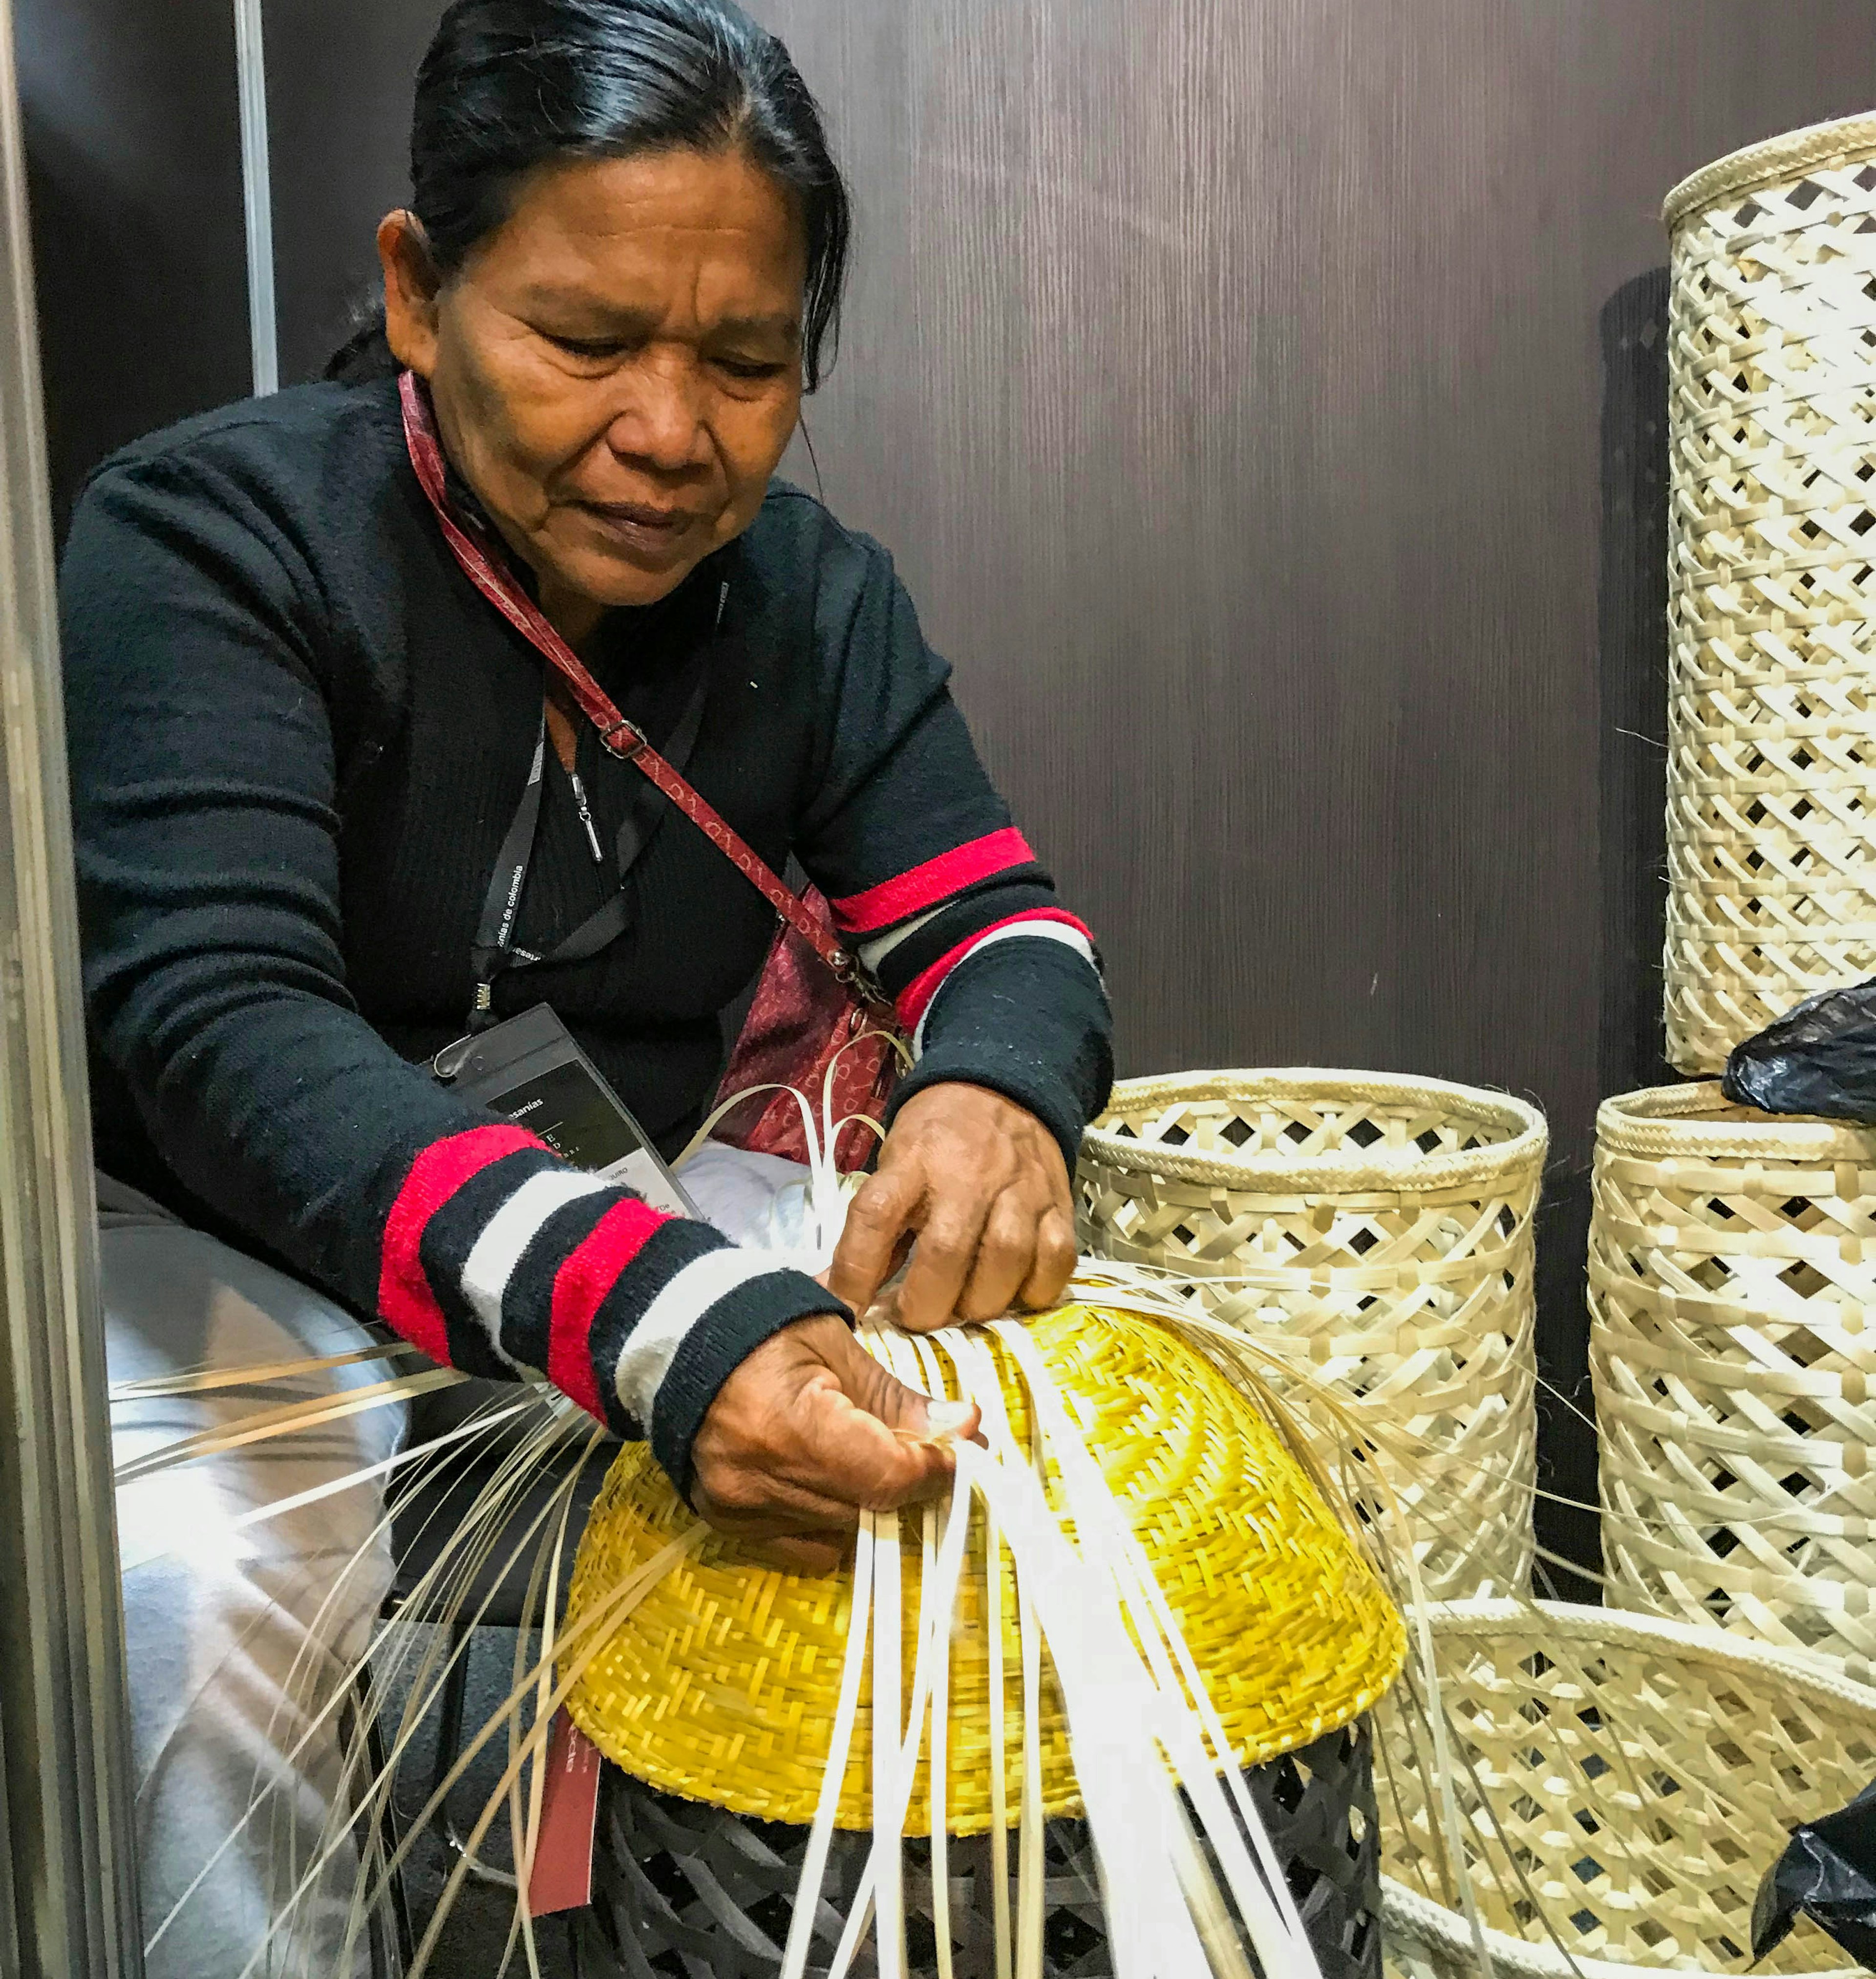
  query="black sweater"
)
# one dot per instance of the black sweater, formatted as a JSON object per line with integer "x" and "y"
{"x": 298, "y": 735}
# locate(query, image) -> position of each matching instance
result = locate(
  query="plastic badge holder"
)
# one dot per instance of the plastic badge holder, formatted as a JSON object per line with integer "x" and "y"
{"x": 529, "y": 1070}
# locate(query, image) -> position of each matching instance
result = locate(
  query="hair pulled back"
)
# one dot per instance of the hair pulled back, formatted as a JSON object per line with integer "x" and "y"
{"x": 509, "y": 85}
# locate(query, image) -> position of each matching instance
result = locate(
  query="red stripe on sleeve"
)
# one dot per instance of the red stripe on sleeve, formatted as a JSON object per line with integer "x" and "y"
{"x": 925, "y": 885}
{"x": 405, "y": 1300}
{"x": 916, "y": 998}
{"x": 580, "y": 1287}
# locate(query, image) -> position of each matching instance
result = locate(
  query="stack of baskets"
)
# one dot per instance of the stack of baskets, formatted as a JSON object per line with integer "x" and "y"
{"x": 1732, "y": 1263}
{"x": 1771, "y": 811}
{"x": 715, "y": 1700}
{"x": 1728, "y": 1289}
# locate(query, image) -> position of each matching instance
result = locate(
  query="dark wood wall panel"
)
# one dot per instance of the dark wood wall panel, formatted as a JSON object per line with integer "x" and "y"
{"x": 339, "y": 74}
{"x": 133, "y": 151}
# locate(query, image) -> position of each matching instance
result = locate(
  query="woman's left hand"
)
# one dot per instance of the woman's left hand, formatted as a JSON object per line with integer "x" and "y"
{"x": 978, "y": 1183}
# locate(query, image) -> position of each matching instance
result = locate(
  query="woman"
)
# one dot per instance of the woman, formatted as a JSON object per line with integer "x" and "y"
{"x": 300, "y": 733}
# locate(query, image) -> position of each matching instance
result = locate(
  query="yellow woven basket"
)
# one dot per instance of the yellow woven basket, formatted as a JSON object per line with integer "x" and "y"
{"x": 1772, "y": 831}
{"x": 721, "y": 1686}
{"x": 1733, "y": 1270}
{"x": 1375, "y": 1232}
{"x": 1645, "y": 1774}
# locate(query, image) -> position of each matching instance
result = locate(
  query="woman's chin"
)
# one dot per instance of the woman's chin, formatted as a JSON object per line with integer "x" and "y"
{"x": 617, "y": 581}
{"x": 634, "y": 575}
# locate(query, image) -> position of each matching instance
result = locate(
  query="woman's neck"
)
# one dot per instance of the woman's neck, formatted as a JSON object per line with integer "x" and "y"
{"x": 572, "y": 615}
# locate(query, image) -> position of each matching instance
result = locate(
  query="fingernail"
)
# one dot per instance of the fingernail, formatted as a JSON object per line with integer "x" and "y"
{"x": 943, "y": 1420}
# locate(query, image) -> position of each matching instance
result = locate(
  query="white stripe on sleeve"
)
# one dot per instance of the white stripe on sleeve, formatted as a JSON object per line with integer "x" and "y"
{"x": 684, "y": 1300}
{"x": 1058, "y": 931}
{"x": 492, "y": 1259}
{"x": 873, "y": 952}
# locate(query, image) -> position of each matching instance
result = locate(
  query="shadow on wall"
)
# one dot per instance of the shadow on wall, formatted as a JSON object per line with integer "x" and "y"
{"x": 1632, "y": 640}
{"x": 1632, "y": 616}
{"x": 133, "y": 166}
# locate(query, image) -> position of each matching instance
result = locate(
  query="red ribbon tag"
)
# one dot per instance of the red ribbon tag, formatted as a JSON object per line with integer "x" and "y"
{"x": 562, "y": 1879}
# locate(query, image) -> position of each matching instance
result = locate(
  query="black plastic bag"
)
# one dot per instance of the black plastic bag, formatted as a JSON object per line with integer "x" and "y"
{"x": 1828, "y": 1874}
{"x": 1818, "y": 1058}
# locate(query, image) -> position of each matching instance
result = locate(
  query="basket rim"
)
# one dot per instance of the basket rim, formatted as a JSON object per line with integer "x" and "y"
{"x": 1422, "y": 1917}
{"x": 1576, "y": 1622}
{"x": 1354, "y": 1169}
{"x": 1790, "y": 154}
{"x": 1660, "y": 1121}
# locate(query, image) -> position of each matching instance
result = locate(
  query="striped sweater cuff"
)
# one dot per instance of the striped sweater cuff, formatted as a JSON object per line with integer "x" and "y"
{"x": 1027, "y": 1019}
{"x": 501, "y": 1260}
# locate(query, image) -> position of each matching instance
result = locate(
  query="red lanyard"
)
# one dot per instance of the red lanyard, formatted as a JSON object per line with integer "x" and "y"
{"x": 486, "y": 569}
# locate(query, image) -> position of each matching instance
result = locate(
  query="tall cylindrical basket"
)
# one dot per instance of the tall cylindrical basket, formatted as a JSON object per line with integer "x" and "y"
{"x": 1623, "y": 1784}
{"x": 1733, "y": 1283}
{"x": 1374, "y": 1231}
{"x": 1771, "y": 815}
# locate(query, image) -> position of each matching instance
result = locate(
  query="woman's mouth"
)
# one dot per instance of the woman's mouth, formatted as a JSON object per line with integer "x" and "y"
{"x": 642, "y": 529}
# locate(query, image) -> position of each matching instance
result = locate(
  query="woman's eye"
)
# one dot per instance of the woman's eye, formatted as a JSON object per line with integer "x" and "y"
{"x": 598, "y": 347}
{"x": 746, "y": 368}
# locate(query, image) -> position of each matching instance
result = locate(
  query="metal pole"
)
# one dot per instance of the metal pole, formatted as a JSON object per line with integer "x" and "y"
{"x": 251, "y": 65}
{"x": 63, "y": 1717}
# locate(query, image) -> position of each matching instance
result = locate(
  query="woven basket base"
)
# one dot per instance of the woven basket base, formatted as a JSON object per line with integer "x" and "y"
{"x": 683, "y": 1890}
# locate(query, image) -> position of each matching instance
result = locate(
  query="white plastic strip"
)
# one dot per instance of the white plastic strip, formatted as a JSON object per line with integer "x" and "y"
{"x": 888, "y": 1825}
{"x": 1108, "y": 1700}
{"x": 821, "y": 1836}
{"x": 1262, "y": 1895}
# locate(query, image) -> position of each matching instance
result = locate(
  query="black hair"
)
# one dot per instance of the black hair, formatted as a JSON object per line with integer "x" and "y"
{"x": 507, "y": 85}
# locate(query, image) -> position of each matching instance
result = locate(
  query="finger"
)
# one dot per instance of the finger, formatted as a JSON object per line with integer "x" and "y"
{"x": 818, "y": 1558}
{"x": 941, "y": 1262}
{"x": 867, "y": 1463}
{"x": 877, "y": 1218}
{"x": 1055, "y": 1259}
{"x": 774, "y": 1493}
{"x": 1005, "y": 1256}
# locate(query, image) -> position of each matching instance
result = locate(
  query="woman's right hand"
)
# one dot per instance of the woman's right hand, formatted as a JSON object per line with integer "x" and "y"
{"x": 809, "y": 1432}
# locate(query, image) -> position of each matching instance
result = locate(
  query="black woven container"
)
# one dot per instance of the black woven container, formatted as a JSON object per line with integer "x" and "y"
{"x": 682, "y": 1890}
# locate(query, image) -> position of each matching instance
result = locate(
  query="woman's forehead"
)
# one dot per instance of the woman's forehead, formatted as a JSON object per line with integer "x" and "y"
{"x": 632, "y": 233}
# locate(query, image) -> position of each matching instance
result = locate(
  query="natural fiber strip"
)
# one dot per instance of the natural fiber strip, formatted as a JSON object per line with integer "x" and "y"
{"x": 1106, "y": 1539}
{"x": 204, "y": 1380}
{"x": 291, "y": 1417}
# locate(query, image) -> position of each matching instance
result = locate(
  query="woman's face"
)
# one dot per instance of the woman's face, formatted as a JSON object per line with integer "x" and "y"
{"x": 617, "y": 368}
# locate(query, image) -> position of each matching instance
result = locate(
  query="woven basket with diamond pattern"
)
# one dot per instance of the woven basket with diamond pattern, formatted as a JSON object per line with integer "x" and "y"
{"x": 1732, "y": 1274}
{"x": 1643, "y": 1774}
{"x": 1374, "y": 1232}
{"x": 1772, "y": 816}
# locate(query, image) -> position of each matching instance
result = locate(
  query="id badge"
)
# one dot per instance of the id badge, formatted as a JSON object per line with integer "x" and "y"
{"x": 529, "y": 1070}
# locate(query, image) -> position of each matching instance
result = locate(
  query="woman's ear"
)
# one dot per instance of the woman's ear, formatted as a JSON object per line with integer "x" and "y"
{"x": 411, "y": 286}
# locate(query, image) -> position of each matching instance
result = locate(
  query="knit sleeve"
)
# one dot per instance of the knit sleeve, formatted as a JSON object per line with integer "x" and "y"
{"x": 201, "y": 659}
{"x": 998, "y": 983}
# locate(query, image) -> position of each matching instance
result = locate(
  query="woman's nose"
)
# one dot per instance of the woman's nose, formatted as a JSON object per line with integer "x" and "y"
{"x": 659, "y": 421}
